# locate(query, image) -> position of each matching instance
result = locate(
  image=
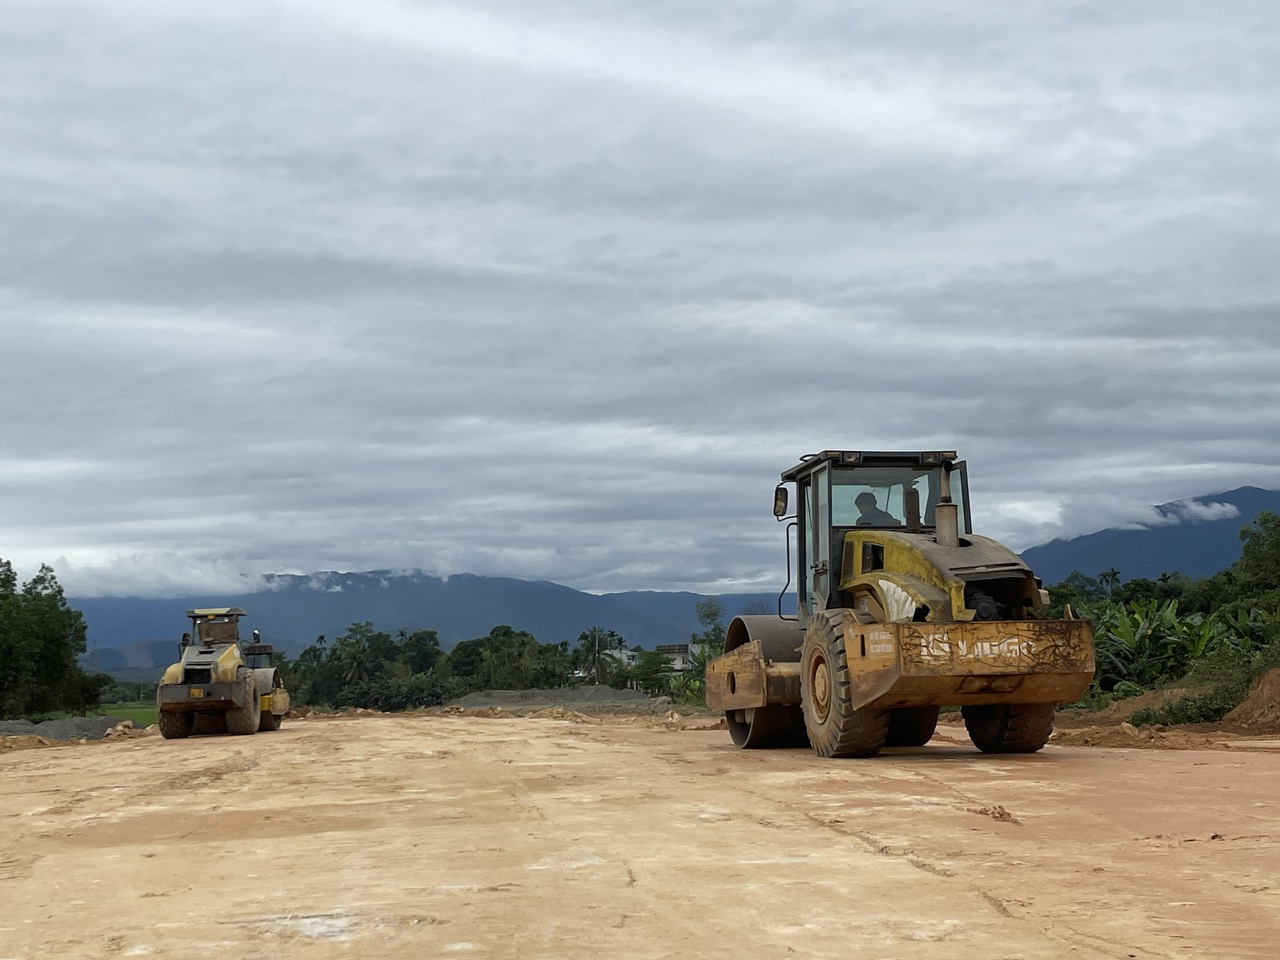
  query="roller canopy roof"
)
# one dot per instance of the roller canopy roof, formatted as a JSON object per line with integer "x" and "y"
{"x": 859, "y": 458}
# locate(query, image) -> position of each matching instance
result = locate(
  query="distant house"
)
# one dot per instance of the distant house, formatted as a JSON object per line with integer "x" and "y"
{"x": 677, "y": 653}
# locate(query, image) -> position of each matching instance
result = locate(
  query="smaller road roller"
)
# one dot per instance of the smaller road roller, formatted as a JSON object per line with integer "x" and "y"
{"x": 220, "y": 685}
{"x": 901, "y": 610}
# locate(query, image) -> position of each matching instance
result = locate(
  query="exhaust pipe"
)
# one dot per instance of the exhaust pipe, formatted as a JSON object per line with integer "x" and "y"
{"x": 947, "y": 514}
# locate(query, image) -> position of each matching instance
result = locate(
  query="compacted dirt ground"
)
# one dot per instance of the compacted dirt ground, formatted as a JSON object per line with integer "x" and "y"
{"x": 565, "y": 836}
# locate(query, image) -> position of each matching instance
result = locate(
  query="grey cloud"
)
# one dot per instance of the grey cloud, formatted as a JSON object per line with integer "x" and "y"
{"x": 1191, "y": 511}
{"x": 556, "y": 292}
{"x": 238, "y": 277}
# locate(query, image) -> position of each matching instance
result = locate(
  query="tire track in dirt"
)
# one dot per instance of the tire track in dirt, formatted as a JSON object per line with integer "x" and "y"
{"x": 1066, "y": 937}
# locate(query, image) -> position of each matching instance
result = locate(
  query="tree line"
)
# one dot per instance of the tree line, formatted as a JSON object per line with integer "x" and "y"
{"x": 1147, "y": 632}
{"x": 41, "y": 639}
{"x": 1251, "y": 583}
{"x": 367, "y": 667}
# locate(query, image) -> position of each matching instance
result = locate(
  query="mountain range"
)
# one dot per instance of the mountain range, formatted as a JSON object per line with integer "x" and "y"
{"x": 1196, "y": 537}
{"x": 132, "y": 637}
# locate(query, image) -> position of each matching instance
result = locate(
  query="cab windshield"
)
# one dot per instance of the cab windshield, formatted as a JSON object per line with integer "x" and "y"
{"x": 217, "y": 631}
{"x": 876, "y": 496}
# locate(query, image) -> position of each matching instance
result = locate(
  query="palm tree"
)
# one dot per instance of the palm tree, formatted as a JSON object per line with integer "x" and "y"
{"x": 1110, "y": 580}
{"x": 596, "y": 647}
{"x": 355, "y": 663}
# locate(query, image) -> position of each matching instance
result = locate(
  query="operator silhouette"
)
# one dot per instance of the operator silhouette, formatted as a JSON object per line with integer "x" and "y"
{"x": 870, "y": 515}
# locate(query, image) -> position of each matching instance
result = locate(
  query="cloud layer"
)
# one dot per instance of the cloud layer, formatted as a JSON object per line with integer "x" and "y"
{"x": 556, "y": 291}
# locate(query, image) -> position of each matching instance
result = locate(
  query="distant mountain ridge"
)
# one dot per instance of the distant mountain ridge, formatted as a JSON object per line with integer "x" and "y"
{"x": 1196, "y": 537}
{"x": 142, "y": 634}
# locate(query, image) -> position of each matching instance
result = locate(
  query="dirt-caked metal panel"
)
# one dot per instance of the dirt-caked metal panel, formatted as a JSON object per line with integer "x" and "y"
{"x": 997, "y": 646}
{"x": 278, "y": 702}
{"x": 183, "y": 698}
{"x": 735, "y": 681}
{"x": 871, "y": 650}
{"x": 997, "y": 661}
{"x": 743, "y": 679}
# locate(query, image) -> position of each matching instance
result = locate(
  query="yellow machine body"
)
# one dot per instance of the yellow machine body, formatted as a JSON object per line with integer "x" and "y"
{"x": 220, "y": 684}
{"x": 900, "y": 612}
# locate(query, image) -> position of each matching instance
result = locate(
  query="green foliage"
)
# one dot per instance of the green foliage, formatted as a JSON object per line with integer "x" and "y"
{"x": 596, "y": 655}
{"x": 421, "y": 649}
{"x": 129, "y": 691}
{"x": 652, "y": 672}
{"x": 710, "y": 614}
{"x": 1126, "y": 689}
{"x": 1258, "y": 569}
{"x": 369, "y": 668}
{"x": 1149, "y": 642}
{"x": 514, "y": 660}
{"x": 315, "y": 677}
{"x": 1075, "y": 591}
{"x": 1209, "y": 707}
{"x": 401, "y": 693}
{"x": 709, "y": 644}
{"x": 1095, "y": 698}
{"x": 687, "y": 690}
{"x": 1213, "y": 634}
{"x": 1209, "y": 594}
{"x": 465, "y": 660}
{"x": 90, "y": 688}
{"x": 1168, "y": 586}
{"x": 41, "y": 639}
{"x": 622, "y": 677}
{"x": 688, "y": 687}
{"x": 1251, "y": 583}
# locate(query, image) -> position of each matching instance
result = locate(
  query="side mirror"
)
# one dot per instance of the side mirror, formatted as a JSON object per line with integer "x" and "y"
{"x": 780, "y": 502}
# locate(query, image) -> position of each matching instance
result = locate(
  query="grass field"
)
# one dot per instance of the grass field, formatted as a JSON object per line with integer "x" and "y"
{"x": 142, "y": 714}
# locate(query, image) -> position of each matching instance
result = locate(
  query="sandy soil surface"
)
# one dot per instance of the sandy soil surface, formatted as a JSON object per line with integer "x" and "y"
{"x": 422, "y": 836}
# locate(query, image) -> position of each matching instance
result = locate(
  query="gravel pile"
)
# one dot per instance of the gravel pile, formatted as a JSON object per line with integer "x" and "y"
{"x": 74, "y": 728}
{"x": 584, "y": 699}
{"x": 583, "y": 694}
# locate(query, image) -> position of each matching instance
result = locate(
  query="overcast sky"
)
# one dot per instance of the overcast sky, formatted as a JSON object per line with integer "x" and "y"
{"x": 556, "y": 289}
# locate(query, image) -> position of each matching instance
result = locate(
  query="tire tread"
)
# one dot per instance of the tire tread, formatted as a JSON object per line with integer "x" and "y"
{"x": 1009, "y": 727}
{"x": 854, "y": 733}
{"x": 175, "y": 726}
{"x": 242, "y": 721}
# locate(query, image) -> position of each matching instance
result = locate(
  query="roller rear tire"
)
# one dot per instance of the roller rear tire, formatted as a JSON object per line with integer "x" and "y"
{"x": 175, "y": 726}
{"x": 211, "y": 723}
{"x": 1009, "y": 727}
{"x": 242, "y": 721}
{"x": 911, "y": 726}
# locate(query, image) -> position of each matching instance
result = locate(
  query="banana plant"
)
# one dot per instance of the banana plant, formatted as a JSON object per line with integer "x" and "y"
{"x": 1148, "y": 641}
